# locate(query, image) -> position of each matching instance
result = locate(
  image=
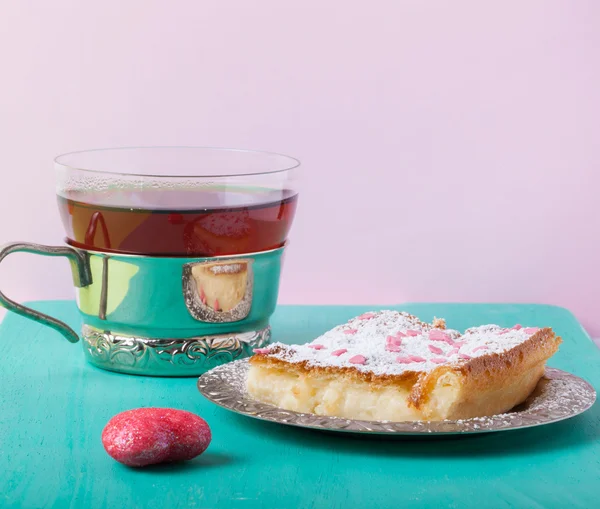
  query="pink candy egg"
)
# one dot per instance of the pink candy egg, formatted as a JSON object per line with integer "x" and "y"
{"x": 145, "y": 436}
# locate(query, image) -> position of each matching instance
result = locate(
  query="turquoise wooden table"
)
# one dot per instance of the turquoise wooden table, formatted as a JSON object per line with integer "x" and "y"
{"x": 54, "y": 406}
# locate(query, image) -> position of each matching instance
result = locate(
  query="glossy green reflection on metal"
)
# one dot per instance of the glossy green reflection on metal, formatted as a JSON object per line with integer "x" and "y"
{"x": 164, "y": 316}
{"x": 176, "y": 316}
{"x": 146, "y": 296}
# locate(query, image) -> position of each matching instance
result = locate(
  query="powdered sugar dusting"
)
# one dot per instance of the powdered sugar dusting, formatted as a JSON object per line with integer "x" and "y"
{"x": 392, "y": 342}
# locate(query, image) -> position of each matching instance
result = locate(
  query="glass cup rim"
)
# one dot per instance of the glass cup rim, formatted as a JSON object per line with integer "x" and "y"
{"x": 293, "y": 163}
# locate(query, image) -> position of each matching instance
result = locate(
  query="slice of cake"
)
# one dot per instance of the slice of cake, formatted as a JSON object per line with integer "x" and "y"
{"x": 391, "y": 366}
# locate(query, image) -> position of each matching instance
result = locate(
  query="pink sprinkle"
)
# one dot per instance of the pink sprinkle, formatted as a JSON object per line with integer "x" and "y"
{"x": 454, "y": 351}
{"x": 357, "y": 359}
{"x": 216, "y": 304}
{"x": 400, "y": 334}
{"x": 435, "y": 349}
{"x": 438, "y": 360}
{"x": 531, "y": 330}
{"x": 391, "y": 340}
{"x": 404, "y": 360}
{"x": 464, "y": 356}
{"x": 504, "y": 331}
{"x": 438, "y": 335}
{"x": 411, "y": 332}
{"x": 350, "y": 331}
{"x": 339, "y": 352}
{"x": 458, "y": 344}
{"x": 366, "y": 316}
{"x": 392, "y": 348}
{"x": 482, "y": 347}
{"x": 416, "y": 358}
{"x": 261, "y": 350}
{"x": 516, "y": 327}
{"x": 317, "y": 347}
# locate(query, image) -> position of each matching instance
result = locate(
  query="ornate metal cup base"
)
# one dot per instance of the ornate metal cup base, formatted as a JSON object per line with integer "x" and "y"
{"x": 168, "y": 357}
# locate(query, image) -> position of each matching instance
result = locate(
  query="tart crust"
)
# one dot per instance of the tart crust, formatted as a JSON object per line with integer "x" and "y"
{"x": 485, "y": 385}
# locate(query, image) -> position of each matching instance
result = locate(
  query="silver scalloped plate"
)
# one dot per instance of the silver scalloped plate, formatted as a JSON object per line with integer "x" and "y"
{"x": 558, "y": 396}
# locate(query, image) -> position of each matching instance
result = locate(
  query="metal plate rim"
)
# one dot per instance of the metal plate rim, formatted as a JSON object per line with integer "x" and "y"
{"x": 235, "y": 399}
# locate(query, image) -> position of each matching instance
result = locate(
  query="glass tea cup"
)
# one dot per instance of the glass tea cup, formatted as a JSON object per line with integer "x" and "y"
{"x": 175, "y": 252}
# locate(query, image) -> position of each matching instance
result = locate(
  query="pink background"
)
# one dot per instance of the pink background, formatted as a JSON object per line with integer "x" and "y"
{"x": 451, "y": 149}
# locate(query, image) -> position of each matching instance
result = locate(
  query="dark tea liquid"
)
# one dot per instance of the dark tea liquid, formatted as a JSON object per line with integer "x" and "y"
{"x": 178, "y": 222}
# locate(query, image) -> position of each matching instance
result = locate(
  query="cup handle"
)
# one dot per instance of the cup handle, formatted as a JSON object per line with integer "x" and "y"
{"x": 82, "y": 276}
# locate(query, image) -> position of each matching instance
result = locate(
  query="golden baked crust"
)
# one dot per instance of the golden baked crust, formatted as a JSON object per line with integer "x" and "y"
{"x": 491, "y": 374}
{"x": 486, "y": 384}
